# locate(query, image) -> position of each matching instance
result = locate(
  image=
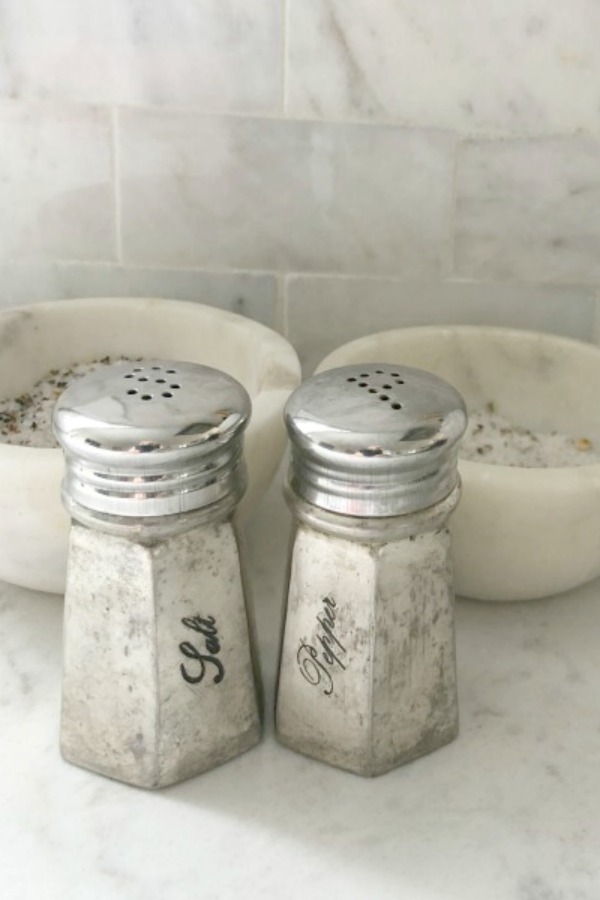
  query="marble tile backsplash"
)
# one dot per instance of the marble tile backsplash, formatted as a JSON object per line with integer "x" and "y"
{"x": 514, "y": 67}
{"x": 327, "y": 167}
{"x": 207, "y": 53}
{"x": 56, "y": 183}
{"x": 247, "y": 293}
{"x": 529, "y": 209}
{"x": 324, "y": 313}
{"x": 252, "y": 193}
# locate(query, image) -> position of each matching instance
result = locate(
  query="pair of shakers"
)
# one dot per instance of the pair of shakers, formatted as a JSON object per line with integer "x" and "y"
{"x": 160, "y": 675}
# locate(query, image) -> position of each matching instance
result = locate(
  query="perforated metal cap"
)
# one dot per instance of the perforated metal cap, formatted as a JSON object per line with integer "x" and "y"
{"x": 374, "y": 439}
{"x": 152, "y": 438}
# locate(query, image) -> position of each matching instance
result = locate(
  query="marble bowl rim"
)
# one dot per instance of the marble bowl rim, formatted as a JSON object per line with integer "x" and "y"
{"x": 285, "y": 349}
{"x": 536, "y": 476}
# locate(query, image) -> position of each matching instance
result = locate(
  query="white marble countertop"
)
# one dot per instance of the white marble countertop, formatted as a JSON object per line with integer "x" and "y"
{"x": 510, "y": 811}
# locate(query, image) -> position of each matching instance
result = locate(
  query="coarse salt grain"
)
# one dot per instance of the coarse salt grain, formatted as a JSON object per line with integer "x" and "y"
{"x": 493, "y": 439}
{"x": 26, "y": 420}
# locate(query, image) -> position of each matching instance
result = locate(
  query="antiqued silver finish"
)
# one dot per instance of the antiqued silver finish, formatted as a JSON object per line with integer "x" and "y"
{"x": 374, "y": 439}
{"x": 160, "y": 681}
{"x": 367, "y": 676}
{"x": 152, "y": 438}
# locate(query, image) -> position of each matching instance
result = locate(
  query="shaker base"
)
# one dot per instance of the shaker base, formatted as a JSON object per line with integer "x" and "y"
{"x": 150, "y": 781}
{"x": 367, "y": 767}
{"x": 159, "y": 681}
{"x": 367, "y": 678}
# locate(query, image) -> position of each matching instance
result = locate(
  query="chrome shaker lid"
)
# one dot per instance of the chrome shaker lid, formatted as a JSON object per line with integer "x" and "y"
{"x": 152, "y": 438}
{"x": 374, "y": 439}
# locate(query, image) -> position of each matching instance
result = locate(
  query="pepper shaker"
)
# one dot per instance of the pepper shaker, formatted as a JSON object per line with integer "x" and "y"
{"x": 159, "y": 679}
{"x": 367, "y": 676}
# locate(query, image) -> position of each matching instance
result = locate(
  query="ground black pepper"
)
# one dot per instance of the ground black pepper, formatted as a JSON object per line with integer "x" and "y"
{"x": 491, "y": 438}
{"x": 26, "y": 420}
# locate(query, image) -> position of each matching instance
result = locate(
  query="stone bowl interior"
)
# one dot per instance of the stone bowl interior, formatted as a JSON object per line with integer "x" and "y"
{"x": 37, "y": 338}
{"x": 518, "y": 533}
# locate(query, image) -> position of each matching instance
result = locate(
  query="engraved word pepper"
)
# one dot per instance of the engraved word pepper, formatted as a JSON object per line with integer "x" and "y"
{"x": 367, "y": 676}
{"x": 159, "y": 678}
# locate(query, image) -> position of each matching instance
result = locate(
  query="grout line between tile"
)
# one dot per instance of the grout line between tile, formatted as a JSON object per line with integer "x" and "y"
{"x": 284, "y": 278}
{"x": 284, "y": 50}
{"x": 453, "y": 210}
{"x": 282, "y": 323}
{"x": 486, "y": 134}
{"x": 595, "y": 335}
{"x": 134, "y": 266}
{"x": 501, "y": 135}
{"x": 116, "y": 176}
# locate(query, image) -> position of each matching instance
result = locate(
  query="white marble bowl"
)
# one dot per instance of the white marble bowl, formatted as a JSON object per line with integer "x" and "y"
{"x": 519, "y": 533}
{"x": 37, "y": 338}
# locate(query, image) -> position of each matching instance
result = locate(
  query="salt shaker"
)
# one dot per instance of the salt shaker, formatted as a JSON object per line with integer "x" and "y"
{"x": 367, "y": 676}
{"x": 159, "y": 680}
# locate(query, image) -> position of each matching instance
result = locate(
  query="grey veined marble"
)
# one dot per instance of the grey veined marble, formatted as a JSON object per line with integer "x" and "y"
{"x": 56, "y": 192}
{"x": 224, "y": 56}
{"x": 479, "y": 67}
{"x": 221, "y": 191}
{"x": 529, "y": 210}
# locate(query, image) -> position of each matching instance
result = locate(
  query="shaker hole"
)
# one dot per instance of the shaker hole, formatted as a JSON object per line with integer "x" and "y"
{"x": 171, "y": 371}
{"x": 362, "y": 384}
{"x": 399, "y": 381}
{"x": 372, "y": 390}
{"x": 387, "y": 387}
{"x": 129, "y": 376}
{"x": 383, "y": 397}
{"x": 132, "y": 391}
{"x": 364, "y": 375}
{"x": 175, "y": 387}
{"x": 167, "y": 394}
{"x": 350, "y": 379}
{"x": 396, "y": 406}
{"x": 146, "y": 397}
{"x": 143, "y": 378}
